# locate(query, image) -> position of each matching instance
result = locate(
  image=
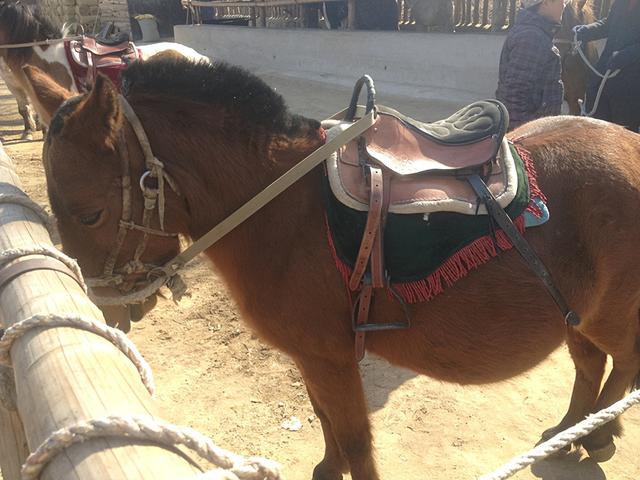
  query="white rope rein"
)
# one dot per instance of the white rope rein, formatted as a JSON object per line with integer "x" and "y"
{"x": 577, "y": 46}
{"x": 564, "y": 438}
{"x": 151, "y": 429}
{"x": 49, "y": 41}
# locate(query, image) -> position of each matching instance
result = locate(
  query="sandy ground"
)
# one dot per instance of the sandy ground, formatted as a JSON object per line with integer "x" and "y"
{"x": 214, "y": 375}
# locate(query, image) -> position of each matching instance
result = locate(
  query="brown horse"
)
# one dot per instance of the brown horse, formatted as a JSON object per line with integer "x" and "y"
{"x": 575, "y": 73}
{"x": 224, "y": 135}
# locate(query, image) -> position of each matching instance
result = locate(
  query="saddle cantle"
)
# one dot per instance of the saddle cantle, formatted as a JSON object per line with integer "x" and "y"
{"x": 422, "y": 160}
{"x": 88, "y": 56}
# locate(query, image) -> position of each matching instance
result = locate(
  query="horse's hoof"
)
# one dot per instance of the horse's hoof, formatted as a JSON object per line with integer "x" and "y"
{"x": 26, "y": 137}
{"x": 602, "y": 454}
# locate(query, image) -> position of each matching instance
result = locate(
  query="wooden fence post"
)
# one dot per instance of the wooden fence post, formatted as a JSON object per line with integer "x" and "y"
{"x": 64, "y": 375}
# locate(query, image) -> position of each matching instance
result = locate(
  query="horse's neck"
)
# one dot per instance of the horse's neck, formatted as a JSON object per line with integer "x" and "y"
{"x": 53, "y": 60}
{"x": 268, "y": 238}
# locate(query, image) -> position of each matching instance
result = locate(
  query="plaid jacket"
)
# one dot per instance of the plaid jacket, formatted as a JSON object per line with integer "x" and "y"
{"x": 529, "y": 81}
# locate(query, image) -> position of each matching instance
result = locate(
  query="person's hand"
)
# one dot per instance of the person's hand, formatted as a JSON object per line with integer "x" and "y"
{"x": 578, "y": 30}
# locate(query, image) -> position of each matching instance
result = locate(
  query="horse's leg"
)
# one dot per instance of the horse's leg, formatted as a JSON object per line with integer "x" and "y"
{"x": 333, "y": 465}
{"x": 599, "y": 444}
{"x": 26, "y": 112}
{"x": 589, "y": 363}
{"x": 336, "y": 388}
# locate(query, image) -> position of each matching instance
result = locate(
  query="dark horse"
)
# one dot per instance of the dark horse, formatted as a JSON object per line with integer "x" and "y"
{"x": 575, "y": 73}
{"x": 224, "y": 135}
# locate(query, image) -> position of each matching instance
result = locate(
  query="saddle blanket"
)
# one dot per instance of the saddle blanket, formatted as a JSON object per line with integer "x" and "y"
{"x": 427, "y": 252}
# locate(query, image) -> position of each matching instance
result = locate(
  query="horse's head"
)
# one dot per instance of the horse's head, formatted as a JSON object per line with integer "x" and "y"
{"x": 93, "y": 166}
{"x": 231, "y": 137}
{"x": 577, "y": 12}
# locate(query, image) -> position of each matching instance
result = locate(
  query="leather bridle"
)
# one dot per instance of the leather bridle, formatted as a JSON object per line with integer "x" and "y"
{"x": 156, "y": 276}
{"x": 120, "y": 278}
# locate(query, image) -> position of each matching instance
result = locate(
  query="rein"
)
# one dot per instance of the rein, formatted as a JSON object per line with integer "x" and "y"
{"x": 158, "y": 276}
{"x": 49, "y": 41}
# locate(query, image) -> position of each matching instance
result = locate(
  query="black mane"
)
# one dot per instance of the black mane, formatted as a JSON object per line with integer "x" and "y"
{"x": 21, "y": 25}
{"x": 219, "y": 83}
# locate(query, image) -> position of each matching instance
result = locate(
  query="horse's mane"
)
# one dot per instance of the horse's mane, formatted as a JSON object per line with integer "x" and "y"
{"x": 219, "y": 84}
{"x": 23, "y": 25}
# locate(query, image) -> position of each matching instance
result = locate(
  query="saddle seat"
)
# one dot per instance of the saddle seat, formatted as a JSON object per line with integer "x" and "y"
{"x": 88, "y": 56}
{"x": 424, "y": 161}
{"x": 88, "y": 51}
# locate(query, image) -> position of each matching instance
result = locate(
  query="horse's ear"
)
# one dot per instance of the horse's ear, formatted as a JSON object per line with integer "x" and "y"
{"x": 581, "y": 4}
{"x": 98, "y": 116}
{"x": 47, "y": 93}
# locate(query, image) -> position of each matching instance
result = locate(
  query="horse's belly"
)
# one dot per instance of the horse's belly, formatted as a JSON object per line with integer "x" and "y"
{"x": 485, "y": 349}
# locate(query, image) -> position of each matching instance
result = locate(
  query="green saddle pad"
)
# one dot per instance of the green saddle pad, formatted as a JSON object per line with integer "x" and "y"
{"x": 423, "y": 254}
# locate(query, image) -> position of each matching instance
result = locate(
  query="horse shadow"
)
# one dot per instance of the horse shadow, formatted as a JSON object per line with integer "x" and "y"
{"x": 380, "y": 379}
{"x": 570, "y": 467}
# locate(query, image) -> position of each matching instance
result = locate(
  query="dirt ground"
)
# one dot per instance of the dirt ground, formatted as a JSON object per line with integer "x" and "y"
{"x": 217, "y": 377}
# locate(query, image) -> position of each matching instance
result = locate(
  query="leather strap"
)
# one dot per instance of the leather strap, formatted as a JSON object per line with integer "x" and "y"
{"x": 378, "y": 275}
{"x": 363, "y": 304}
{"x": 272, "y": 191}
{"x": 371, "y": 228}
{"x": 528, "y": 254}
{"x": 24, "y": 265}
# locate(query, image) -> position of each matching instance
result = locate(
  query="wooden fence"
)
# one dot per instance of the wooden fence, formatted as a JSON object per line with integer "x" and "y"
{"x": 468, "y": 15}
{"x": 64, "y": 376}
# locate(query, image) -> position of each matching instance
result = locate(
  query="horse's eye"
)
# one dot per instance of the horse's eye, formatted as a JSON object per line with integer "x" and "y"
{"x": 90, "y": 219}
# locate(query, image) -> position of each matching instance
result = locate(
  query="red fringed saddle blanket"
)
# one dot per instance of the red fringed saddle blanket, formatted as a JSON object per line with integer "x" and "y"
{"x": 425, "y": 253}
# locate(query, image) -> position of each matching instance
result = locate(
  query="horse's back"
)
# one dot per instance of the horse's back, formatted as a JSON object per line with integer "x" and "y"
{"x": 148, "y": 51}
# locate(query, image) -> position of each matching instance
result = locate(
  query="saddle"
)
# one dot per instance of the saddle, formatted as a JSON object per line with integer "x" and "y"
{"x": 401, "y": 165}
{"x": 106, "y": 53}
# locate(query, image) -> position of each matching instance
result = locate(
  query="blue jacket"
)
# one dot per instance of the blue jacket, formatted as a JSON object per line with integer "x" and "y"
{"x": 529, "y": 81}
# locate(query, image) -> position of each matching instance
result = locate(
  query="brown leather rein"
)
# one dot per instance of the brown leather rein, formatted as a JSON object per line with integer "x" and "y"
{"x": 167, "y": 275}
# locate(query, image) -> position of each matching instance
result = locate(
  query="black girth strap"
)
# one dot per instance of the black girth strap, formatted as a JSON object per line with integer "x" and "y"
{"x": 528, "y": 254}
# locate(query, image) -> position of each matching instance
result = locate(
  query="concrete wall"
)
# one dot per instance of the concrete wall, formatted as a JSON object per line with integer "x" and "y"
{"x": 459, "y": 67}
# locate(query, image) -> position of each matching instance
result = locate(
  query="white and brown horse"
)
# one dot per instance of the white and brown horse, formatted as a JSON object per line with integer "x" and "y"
{"x": 19, "y": 25}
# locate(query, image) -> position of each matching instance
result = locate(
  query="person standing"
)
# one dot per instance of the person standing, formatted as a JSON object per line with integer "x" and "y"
{"x": 529, "y": 82}
{"x": 619, "y": 101}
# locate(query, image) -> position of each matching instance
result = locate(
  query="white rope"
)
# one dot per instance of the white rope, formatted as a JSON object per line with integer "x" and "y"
{"x": 82, "y": 322}
{"x": 24, "y": 201}
{"x": 564, "y": 438}
{"x": 49, "y": 41}
{"x": 138, "y": 296}
{"x": 46, "y": 250}
{"x": 150, "y": 429}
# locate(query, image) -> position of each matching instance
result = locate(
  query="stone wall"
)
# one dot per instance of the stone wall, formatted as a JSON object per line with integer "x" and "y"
{"x": 92, "y": 14}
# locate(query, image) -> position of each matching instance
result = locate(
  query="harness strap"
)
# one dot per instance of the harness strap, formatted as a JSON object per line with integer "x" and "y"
{"x": 371, "y": 228}
{"x": 272, "y": 191}
{"x": 526, "y": 251}
{"x": 23, "y": 265}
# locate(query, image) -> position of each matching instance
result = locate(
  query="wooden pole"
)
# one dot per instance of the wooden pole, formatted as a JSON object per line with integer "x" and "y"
{"x": 65, "y": 375}
{"x": 13, "y": 444}
{"x": 351, "y": 15}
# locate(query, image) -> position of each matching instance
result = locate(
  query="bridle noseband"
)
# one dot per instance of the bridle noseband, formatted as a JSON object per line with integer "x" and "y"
{"x": 154, "y": 198}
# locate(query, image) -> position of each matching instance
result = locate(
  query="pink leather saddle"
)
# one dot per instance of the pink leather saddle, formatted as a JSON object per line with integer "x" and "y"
{"x": 423, "y": 161}
{"x": 88, "y": 56}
